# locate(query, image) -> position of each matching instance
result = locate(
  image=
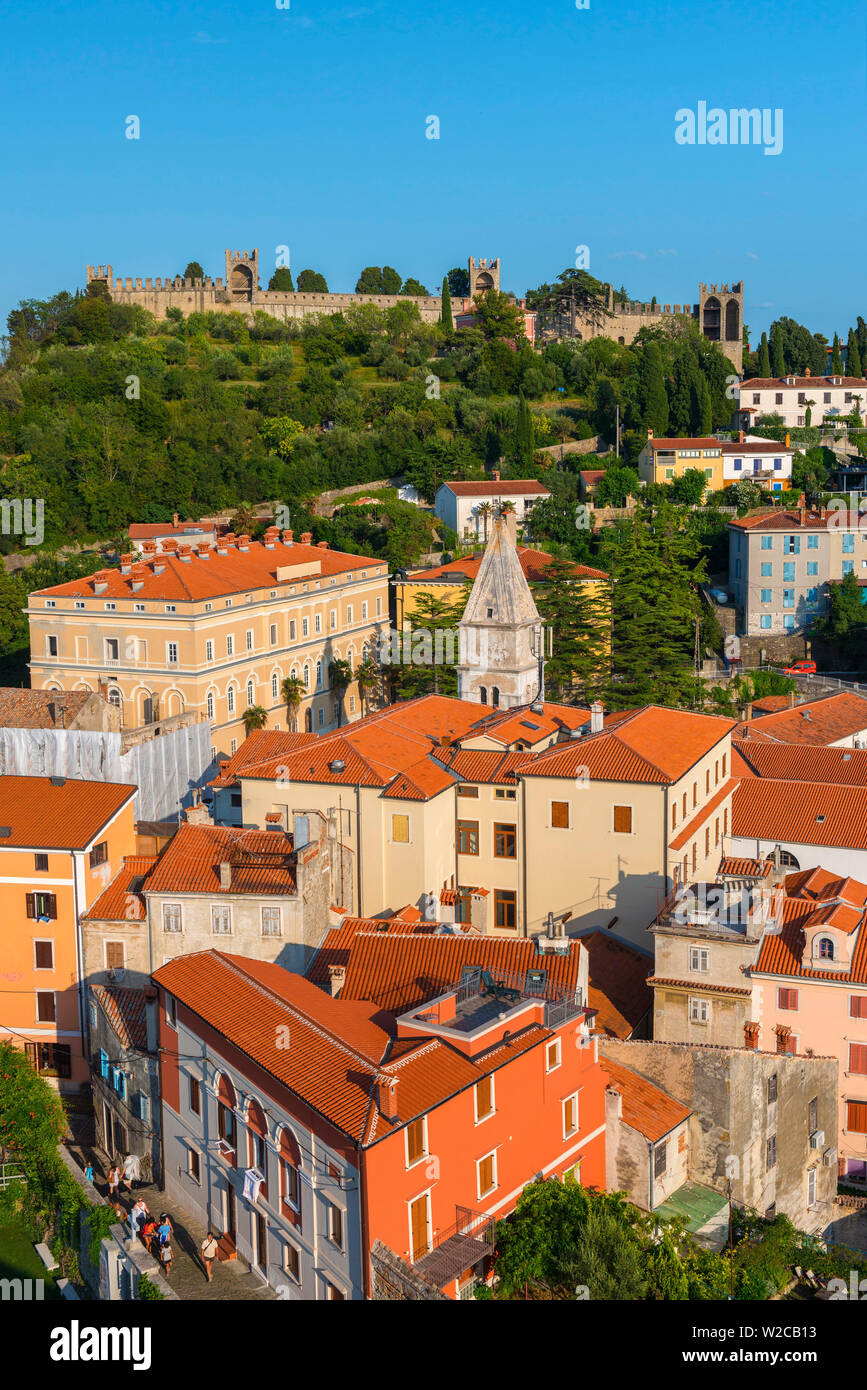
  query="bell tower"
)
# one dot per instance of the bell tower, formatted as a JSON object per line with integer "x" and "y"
{"x": 500, "y": 633}
{"x": 242, "y": 275}
{"x": 484, "y": 276}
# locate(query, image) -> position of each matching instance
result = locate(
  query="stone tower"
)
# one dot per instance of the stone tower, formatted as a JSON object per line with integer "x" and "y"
{"x": 500, "y": 634}
{"x": 721, "y": 318}
{"x": 242, "y": 275}
{"x": 484, "y": 275}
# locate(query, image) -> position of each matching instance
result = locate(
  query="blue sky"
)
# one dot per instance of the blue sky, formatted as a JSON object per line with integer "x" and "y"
{"x": 306, "y": 127}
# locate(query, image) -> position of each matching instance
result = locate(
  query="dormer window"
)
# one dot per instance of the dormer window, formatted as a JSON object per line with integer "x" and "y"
{"x": 825, "y": 948}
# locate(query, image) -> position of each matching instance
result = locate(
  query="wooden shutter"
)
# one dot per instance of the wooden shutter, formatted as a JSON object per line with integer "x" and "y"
{"x": 52, "y": 906}
{"x": 856, "y": 1117}
{"x": 44, "y": 955}
{"x": 858, "y": 1058}
{"x": 858, "y": 1005}
{"x": 623, "y": 820}
{"x": 31, "y": 904}
{"x": 486, "y": 1174}
{"x": 484, "y": 1099}
{"x": 418, "y": 1223}
{"x": 415, "y": 1141}
{"x": 560, "y": 815}
{"x": 114, "y": 955}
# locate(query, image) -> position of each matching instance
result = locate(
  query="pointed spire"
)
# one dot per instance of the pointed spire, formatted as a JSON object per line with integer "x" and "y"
{"x": 500, "y": 592}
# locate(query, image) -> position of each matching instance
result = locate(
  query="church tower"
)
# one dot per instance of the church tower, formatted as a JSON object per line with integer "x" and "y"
{"x": 500, "y": 634}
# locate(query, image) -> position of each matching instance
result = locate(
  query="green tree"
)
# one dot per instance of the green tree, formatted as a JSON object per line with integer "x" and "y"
{"x": 579, "y": 617}
{"x": 193, "y": 271}
{"x": 459, "y": 282}
{"x": 429, "y": 650}
{"x": 391, "y": 280}
{"x": 778, "y": 363}
{"x": 763, "y": 366}
{"x": 498, "y": 315}
{"x": 293, "y": 690}
{"x": 689, "y": 487}
{"x": 367, "y": 679}
{"x": 836, "y": 358}
{"x": 311, "y": 282}
{"x": 618, "y": 483}
{"x": 853, "y": 355}
{"x": 680, "y": 394}
{"x": 281, "y": 433}
{"x": 282, "y": 280}
{"x": 846, "y": 613}
{"x": 525, "y": 443}
{"x": 413, "y": 286}
{"x": 699, "y": 406}
{"x": 339, "y": 678}
{"x": 370, "y": 280}
{"x": 651, "y": 390}
{"x": 446, "y": 311}
{"x": 254, "y": 717}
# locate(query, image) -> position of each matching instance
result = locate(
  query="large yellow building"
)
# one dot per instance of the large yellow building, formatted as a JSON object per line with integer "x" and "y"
{"x": 215, "y": 629}
{"x": 663, "y": 460}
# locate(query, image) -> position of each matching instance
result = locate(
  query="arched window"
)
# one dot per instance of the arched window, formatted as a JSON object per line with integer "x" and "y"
{"x": 230, "y": 698}
{"x": 319, "y": 675}
{"x": 290, "y": 1171}
{"x": 210, "y": 704}
{"x": 257, "y": 1131}
{"x": 495, "y": 696}
{"x": 114, "y": 697}
{"x": 251, "y": 694}
{"x": 226, "y": 1124}
{"x": 788, "y": 860}
{"x": 484, "y": 694}
{"x": 826, "y": 948}
{"x": 306, "y": 677}
{"x": 308, "y": 721}
{"x": 275, "y": 685}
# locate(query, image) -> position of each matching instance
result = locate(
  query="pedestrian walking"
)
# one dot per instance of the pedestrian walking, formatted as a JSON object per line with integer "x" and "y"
{"x": 166, "y": 1259}
{"x": 113, "y": 1180}
{"x": 139, "y": 1215}
{"x": 131, "y": 1171}
{"x": 209, "y": 1253}
{"x": 88, "y": 1173}
{"x": 165, "y": 1230}
{"x": 149, "y": 1235}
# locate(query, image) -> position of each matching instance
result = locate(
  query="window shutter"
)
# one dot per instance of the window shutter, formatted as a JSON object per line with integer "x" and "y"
{"x": 856, "y": 1119}
{"x": 31, "y": 904}
{"x": 52, "y": 906}
{"x": 623, "y": 820}
{"x": 858, "y": 1058}
{"x": 858, "y": 1005}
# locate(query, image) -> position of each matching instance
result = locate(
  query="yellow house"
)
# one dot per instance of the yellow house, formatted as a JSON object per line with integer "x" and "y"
{"x": 214, "y": 629}
{"x": 663, "y": 460}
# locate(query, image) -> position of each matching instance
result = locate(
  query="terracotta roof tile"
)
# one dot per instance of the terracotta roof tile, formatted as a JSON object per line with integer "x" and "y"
{"x": 795, "y": 762}
{"x": 69, "y": 816}
{"x": 651, "y": 744}
{"x": 40, "y": 709}
{"x": 744, "y": 868}
{"x": 618, "y": 991}
{"x": 262, "y": 861}
{"x": 820, "y": 814}
{"x": 123, "y": 900}
{"x": 645, "y": 1107}
{"x": 506, "y": 487}
{"x": 800, "y": 383}
{"x": 125, "y": 1011}
{"x": 706, "y": 986}
{"x": 534, "y": 563}
{"x": 699, "y": 442}
{"x": 817, "y": 722}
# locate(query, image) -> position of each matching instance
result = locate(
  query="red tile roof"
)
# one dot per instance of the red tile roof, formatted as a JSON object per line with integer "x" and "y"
{"x": 148, "y": 530}
{"x": 534, "y": 563}
{"x": 782, "y": 952}
{"x": 41, "y": 815}
{"x": 123, "y": 900}
{"x": 821, "y": 721}
{"x": 645, "y": 1107}
{"x": 820, "y": 886}
{"x": 693, "y": 826}
{"x": 506, "y": 487}
{"x": 337, "y": 1047}
{"x": 125, "y": 1011}
{"x": 800, "y": 383}
{"x": 651, "y": 744}
{"x": 766, "y": 809}
{"x": 795, "y": 762}
{"x": 618, "y": 990}
{"x": 744, "y": 868}
{"x": 775, "y": 520}
{"x": 706, "y": 986}
{"x": 262, "y": 861}
{"x": 700, "y": 442}
{"x": 41, "y": 709}
{"x": 398, "y": 970}
{"x": 168, "y": 576}
{"x": 756, "y": 446}
{"x": 769, "y": 704}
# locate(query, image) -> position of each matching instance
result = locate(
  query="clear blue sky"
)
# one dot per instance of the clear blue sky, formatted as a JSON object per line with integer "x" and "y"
{"x": 306, "y": 126}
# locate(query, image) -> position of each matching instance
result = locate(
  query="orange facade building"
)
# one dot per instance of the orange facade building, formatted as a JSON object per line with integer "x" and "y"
{"x": 61, "y": 842}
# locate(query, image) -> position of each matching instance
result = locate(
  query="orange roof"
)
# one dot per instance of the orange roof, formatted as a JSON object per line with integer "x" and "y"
{"x": 821, "y": 721}
{"x": 527, "y": 725}
{"x": 337, "y": 1047}
{"x": 645, "y": 1107}
{"x": 821, "y": 886}
{"x": 744, "y": 868}
{"x": 776, "y": 520}
{"x": 125, "y": 1011}
{"x": 533, "y": 562}
{"x": 262, "y": 861}
{"x": 484, "y": 764}
{"x": 706, "y": 985}
{"x": 57, "y": 812}
{"x": 782, "y": 952}
{"x": 651, "y": 744}
{"x": 123, "y": 900}
{"x": 618, "y": 990}
{"x": 769, "y": 704}
{"x": 816, "y": 814}
{"x": 398, "y": 970}
{"x": 506, "y": 487}
{"x": 169, "y": 576}
{"x": 700, "y": 442}
{"x": 793, "y": 762}
{"x": 799, "y": 383}
{"x": 148, "y": 530}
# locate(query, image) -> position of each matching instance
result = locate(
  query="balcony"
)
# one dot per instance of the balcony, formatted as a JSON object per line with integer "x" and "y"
{"x": 482, "y": 999}
{"x": 460, "y": 1246}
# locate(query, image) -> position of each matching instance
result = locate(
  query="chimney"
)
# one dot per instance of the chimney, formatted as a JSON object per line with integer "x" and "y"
{"x": 597, "y": 717}
{"x": 808, "y": 371}
{"x": 175, "y": 519}
{"x": 225, "y": 876}
{"x": 791, "y": 699}
{"x": 306, "y": 537}
{"x": 802, "y": 516}
{"x": 740, "y": 436}
{"x": 496, "y": 475}
{"x": 322, "y": 545}
{"x": 288, "y": 537}
{"x": 336, "y": 978}
{"x": 386, "y": 1095}
{"x": 125, "y": 564}
{"x": 748, "y": 710}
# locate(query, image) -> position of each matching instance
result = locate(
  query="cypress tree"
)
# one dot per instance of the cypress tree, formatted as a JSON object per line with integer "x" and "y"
{"x": 836, "y": 359}
{"x": 778, "y": 361}
{"x": 853, "y": 356}
{"x": 446, "y": 315}
{"x": 525, "y": 445}
{"x": 763, "y": 366}
{"x": 679, "y": 395}
{"x": 699, "y": 405}
{"x": 652, "y": 394}
{"x": 580, "y": 617}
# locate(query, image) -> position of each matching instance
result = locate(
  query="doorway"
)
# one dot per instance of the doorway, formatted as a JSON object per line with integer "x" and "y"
{"x": 229, "y": 1217}
{"x": 260, "y": 1232}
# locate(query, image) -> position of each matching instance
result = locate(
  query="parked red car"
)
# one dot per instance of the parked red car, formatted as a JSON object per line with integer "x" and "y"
{"x": 800, "y": 668}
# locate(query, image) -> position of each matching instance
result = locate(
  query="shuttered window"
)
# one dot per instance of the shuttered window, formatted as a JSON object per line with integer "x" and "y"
{"x": 858, "y": 1058}
{"x": 856, "y": 1116}
{"x": 419, "y": 1226}
{"x": 560, "y": 815}
{"x": 415, "y": 1145}
{"x": 400, "y": 830}
{"x": 570, "y": 1116}
{"x": 485, "y": 1098}
{"x": 42, "y": 905}
{"x": 858, "y": 1005}
{"x": 788, "y": 998}
{"x": 623, "y": 820}
{"x": 44, "y": 955}
{"x": 487, "y": 1174}
{"x": 114, "y": 955}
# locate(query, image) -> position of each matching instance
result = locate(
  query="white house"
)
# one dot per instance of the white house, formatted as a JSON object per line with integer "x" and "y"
{"x": 765, "y": 461}
{"x": 457, "y": 504}
{"x": 790, "y": 396}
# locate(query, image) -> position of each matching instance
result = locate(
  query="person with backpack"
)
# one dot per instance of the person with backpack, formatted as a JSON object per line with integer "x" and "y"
{"x": 165, "y": 1231}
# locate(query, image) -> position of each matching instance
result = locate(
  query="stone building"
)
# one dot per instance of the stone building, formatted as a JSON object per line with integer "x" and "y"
{"x": 719, "y": 314}
{"x": 125, "y": 1074}
{"x": 755, "y": 1115}
{"x": 500, "y": 661}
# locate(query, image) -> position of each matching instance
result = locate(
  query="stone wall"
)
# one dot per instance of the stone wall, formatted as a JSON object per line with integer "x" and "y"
{"x": 393, "y": 1280}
